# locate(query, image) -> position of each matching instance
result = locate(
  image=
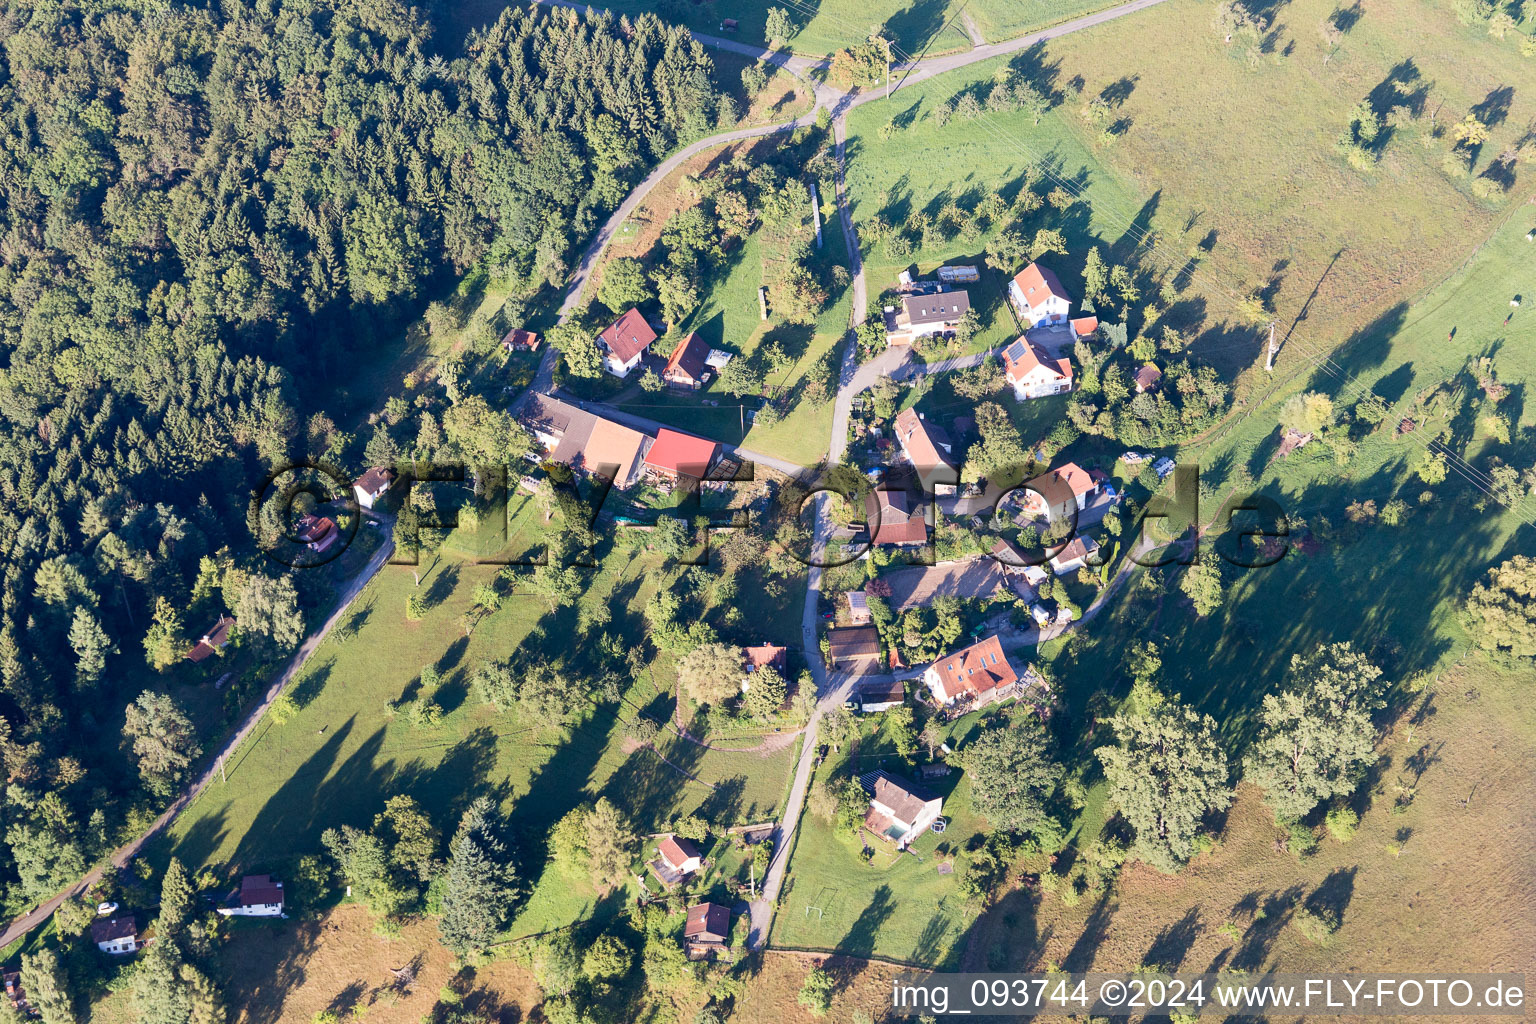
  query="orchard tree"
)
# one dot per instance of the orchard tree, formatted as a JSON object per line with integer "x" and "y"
{"x": 778, "y": 28}
{"x": 1012, "y": 776}
{"x": 1201, "y": 583}
{"x": 1316, "y": 739}
{"x": 1500, "y": 613}
{"x": 1165, "y": 773}
{"x": 816, "y": 994}
{"x": 711, "y": 673}
{"x": 164, "y": 741}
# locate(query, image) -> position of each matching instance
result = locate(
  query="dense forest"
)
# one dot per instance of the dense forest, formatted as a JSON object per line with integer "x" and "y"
{"x": 209, "y": 216}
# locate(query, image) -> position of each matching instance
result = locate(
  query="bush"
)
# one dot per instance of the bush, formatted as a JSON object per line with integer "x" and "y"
{"x": 1341, "y": 824}
{"x": 1300, "y": 839}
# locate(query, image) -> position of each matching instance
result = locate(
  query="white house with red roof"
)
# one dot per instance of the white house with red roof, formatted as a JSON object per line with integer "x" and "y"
{"x": 979, "y": 673}
{"x": 1038, "y": 297}
{"x": 927, "y": 447}
{"x": 624, "y": 342}
{"x": 1060, "y": 493}
{"x": 680, "y": 854}
{"x": 1034, "y": 374}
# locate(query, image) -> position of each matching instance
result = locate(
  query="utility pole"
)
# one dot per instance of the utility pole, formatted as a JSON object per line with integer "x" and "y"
{"x": 1269, "y": 361}
{"x": 887, "y": 43}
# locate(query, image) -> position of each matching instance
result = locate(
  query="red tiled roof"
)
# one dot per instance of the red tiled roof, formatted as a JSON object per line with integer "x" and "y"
{"x": 1085, "y": 325}
{"x": 1075, "y": 477}
{"x": 918, "y": 441}
{"x": 976, "y": 669}
{"x": 110, "y": 929}
{"x": 677, "y": 453}
{"x": 260, "y": 890}
{"x": 891, "y": 521}
{"x": 1080, "y": 547}
{"x": 677, "y": 851}
{"x": 376, "y": 480}
{"x": 708, "y": 921}
{"x": 519, "y": 338}
{"x": 686, "y": 363}
{"x": 853, "y": 642}
{"x": 627, "y": 336}
{"x": 1022, "y": 358}
{"x": 1036, "y": 282}
{"x": 215, "y": 638}
{"x": 764, "y": 654}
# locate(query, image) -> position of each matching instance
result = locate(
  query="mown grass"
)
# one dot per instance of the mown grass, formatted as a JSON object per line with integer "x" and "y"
{"x": 893, "y": 905}
{"x": 1237, "y": 144}
{"x": 344, "y": 753}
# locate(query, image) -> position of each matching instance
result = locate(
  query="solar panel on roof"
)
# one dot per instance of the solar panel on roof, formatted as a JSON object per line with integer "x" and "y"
{"x": 1015, "y": 351}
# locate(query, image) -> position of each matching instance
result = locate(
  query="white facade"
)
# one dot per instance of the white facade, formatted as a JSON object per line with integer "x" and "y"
{"x": 614, "y": 365}
{"x": 119, "y": 947}
{"x": 255, "y": 910}
{"x": 1051, "y": 309}
{"x": 1040, "y": 382}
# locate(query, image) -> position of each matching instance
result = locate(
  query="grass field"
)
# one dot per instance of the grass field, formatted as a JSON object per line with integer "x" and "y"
{"x": 1239, "y": 141}
{"x": 896, "y": 906}
{"x": 344, "y": 753}
{"x": 729, "y": 317}
{"x": 1446, "y": 884}
{"x": 922, "y": 168}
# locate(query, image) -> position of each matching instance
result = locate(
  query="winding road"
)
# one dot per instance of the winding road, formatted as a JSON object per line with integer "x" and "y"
{"x": 833, "y": 687}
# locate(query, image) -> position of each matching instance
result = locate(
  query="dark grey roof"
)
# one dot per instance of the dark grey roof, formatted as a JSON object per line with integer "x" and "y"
{"x": 937, "y": 308}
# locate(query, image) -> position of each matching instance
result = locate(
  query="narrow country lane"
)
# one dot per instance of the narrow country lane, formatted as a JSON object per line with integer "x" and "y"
{"x": 833, "y": 687}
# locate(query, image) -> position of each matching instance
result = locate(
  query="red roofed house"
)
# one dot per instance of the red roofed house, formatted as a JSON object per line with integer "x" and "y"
{"x": 258, "y": 896}
{"x": 626, "y": 340}
{"x": 686, "y": 366}
{"x": 317, "y": 532}
{"x": 708, "y": 924}
{"x": 675, "y": 455}
{"x": 927, "y": 448}
{"x": 1038, "y": 296}
{"x": 517, "y": 338}
{"x": 892, "y": 518}
{"x": 117, "y": 935}
{"x": 979, "y": 672}
{"x": 373, "y": 485}
{"x": 765, "y": 656}
{"x": 212, "y": 640}
{"x": 680, "y": 855}
{"x": 1060, "y": 493}
{"x": 1033, "y": 374}
{"x": 1085, "y": 326}
{"x": 1147, "y": 378}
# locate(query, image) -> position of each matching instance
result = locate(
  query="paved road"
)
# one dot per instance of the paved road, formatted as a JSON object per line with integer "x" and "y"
{"x": 124, "y": 854}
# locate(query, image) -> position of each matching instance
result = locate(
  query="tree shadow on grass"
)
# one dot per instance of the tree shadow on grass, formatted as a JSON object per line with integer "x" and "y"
{"x": 1270, "y": 916}
{"x": 1333, "y": 895}
{"x": 1173, "y": 942}
{"x": 862, "y": 935}
{"x": 320, "y": 793}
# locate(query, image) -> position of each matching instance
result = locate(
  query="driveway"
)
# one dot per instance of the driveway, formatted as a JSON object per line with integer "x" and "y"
{"x": 969, "y": 578}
